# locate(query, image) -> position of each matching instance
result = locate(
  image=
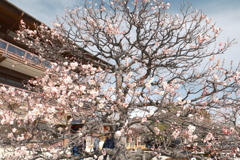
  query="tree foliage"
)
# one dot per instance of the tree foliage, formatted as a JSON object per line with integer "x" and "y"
{"x": 162, "y": 72}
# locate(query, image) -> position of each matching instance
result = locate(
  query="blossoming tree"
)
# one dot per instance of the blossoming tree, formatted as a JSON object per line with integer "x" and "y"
{"x": 163, "y": 72}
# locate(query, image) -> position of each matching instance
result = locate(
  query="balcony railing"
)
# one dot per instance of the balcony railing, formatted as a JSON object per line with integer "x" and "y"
{"x": 9, "y": 48}
{"x": 17, "y": 88}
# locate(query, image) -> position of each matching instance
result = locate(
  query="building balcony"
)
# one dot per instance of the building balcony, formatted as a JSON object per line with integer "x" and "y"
{"x": 20, "y": 60}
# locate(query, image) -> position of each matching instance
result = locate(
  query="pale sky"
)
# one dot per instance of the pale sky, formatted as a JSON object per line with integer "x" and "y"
{"x": 225, "y": 12}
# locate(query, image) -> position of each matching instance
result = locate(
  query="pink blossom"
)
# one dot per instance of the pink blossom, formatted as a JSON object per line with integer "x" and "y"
{"x": 94, "y": 93}
{"x": 161, "y": 93}
{"x": 82, "y": 88}
{"x": 191, "y": 129}
{"x": 74, "y": 65}
{"x": 144, "y": 119}
{"x": 208, "y": 20}
{"x": 125, "y": 105}
{"x": 220, "y": 43}
{"x": 156, "y": 130}
{"x": 179, "y": 99}
{"x": 100, "y": 105}
{"x": 212, "y": 58}
{"x": 192, "y": 46}
{"x": 208, "y": 137}
{"x": 178, "y": 113}
{"x": 164, "y": 111}
{"x": 67, "y": 80}
{"x": 176, "y": 133}
{"x": 148, "y": 85}
{"x": 118, "y": 133}
{"x": 91, "y": 82}
{"x": 65, "y": 63}
{"x": 199, "y": 38}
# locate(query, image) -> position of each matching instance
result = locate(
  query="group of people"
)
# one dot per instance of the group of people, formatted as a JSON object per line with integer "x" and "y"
{"x": 109, "y": 143}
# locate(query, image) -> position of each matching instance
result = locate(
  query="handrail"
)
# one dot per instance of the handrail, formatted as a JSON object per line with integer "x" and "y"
{"x": 9, "y": 47}
{"x": 20, "y": 89}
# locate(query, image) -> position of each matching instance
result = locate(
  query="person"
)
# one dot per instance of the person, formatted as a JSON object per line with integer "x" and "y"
{"x": 96, "y": 147}
{"x": 109, "y": 143}
{"x": 77, "y": 150}
{"x": 96, "y": 144}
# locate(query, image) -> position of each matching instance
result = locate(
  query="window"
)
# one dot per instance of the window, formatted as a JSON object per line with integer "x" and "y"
{"x": 3, "y": 45}
{"x": 47, "y": 64}
{"x": 35, "y": 59}
{"x": 16, "y": 50}
{"x": 28, "y": 56}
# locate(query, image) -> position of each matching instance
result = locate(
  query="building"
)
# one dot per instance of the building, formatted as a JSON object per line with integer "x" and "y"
{"x": 17, "y": 63}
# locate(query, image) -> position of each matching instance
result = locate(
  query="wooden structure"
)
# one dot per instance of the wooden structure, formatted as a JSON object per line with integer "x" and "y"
{"x": 17, "y": 63}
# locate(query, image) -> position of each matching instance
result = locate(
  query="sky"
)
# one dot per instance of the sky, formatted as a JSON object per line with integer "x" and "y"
{"x": 225, "y": 12}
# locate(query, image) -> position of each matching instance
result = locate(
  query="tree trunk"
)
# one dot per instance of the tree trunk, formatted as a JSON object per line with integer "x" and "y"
{"x": 120, "y": 149}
